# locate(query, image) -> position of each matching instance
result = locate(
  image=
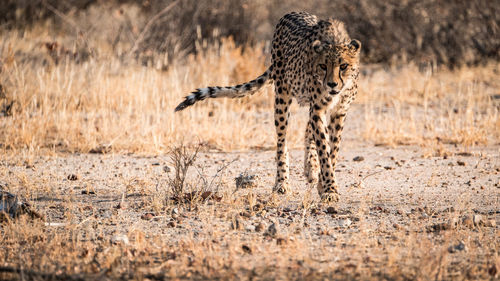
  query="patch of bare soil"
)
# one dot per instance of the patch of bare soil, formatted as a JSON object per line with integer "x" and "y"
{"x": 401, "y": 216}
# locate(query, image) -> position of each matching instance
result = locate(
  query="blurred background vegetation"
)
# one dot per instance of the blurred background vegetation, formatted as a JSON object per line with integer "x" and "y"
{"x": 444, "y": 32}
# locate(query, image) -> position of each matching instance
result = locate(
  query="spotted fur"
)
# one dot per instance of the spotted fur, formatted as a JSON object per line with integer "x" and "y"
{"x": 238, "y": 91}
{"x": 315, "y": 62}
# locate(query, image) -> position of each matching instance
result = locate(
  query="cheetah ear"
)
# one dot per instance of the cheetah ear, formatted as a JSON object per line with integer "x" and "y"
{"x": 355, "y": 45}
{"x": 318, "y": 46}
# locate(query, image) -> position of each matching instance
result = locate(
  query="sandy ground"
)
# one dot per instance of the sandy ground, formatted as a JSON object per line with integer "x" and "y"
{"x": 394, "y": 196}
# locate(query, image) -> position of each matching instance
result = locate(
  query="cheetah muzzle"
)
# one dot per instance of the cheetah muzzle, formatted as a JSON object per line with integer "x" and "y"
{"x": 317, "y": 63}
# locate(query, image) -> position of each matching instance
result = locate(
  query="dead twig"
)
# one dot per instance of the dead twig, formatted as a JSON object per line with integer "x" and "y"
{"x": 62, "y": 16}
{"x": 148, "y": 26}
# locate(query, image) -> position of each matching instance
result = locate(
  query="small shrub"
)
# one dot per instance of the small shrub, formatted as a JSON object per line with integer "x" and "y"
{"x": 182, "y": 159}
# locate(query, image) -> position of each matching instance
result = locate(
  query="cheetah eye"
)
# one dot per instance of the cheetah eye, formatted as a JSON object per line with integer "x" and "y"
{"x": 322, "y": 66}
{"x": 343, "y": 66}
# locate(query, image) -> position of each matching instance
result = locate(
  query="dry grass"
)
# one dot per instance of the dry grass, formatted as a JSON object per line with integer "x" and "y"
{"x": 432, "y": 107}
{"x": 104, "y": 101}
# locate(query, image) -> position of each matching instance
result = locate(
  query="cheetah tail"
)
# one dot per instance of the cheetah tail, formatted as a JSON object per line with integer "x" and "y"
{"x": 238, "y": 91}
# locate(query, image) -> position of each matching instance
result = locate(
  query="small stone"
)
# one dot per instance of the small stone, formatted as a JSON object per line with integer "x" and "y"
{"x": 439, "y": 227}
{"x": 147, "y": 216}
{"x": 460, "y": 163}
{"x": 315, "y": 211}
{"x": 281, "y": 241}
{"x": 331, "y": 210}
{"x": 345, "y": 222}
{"x": 166, "y": 169}
{"x": 477, "y": 220}
{"x": 245, "y": 180}
{"x": 72, "y": 177}
{"x": 250, "y": 228}
{"x": 457, "y": 248}
{"x": 120, "y": 239}
{"x": 246, "y": 214}
{"x": 260, "y": 227}
{"x": 171, "y": 224}
{"x": 388, "y": 168}
{"x": 246, "y": 249}
{"x": 358, "y": 158}
{"x": 175, "y": 211}
{"x": 155, "y": 164}
{"x": 272, "y": 230}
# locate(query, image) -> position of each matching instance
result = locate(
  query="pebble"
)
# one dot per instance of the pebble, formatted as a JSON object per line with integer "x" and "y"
{"x": 120, "y": 239}
{"x": 246, "y": 249}
{"x": 246, "y": 214}
{"x": 440, "y": 227}
{"x": 358, "y": 158}
{"x": 147, "y": 216}
{"x": 72, "y": 177}
{"x": 457, "y": 248}
{"x": 331, "y": 210}
{"x": 260, "y": 227}
{"x": 272, "y": 230}
{"x": 250, "y": 228}
{"x": 245, "y": 180}
{"x": 477, "y": 220}
{"x": 281, "y": 241}
{"x": 345, "y": 222}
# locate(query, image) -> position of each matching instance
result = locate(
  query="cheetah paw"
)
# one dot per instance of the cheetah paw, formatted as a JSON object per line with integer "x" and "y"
{"x": 281, "y": 188}
{"x": 330, "y": 197}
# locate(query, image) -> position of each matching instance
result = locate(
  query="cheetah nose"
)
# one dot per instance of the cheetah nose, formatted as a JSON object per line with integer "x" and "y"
{"x": 332, "y": 84}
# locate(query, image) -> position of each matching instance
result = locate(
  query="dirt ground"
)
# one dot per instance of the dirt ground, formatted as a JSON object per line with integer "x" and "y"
{"x": 401, "y": 216}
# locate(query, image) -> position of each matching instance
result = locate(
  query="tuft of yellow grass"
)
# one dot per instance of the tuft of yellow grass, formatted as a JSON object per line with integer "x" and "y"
{"x": 432, "y": 107}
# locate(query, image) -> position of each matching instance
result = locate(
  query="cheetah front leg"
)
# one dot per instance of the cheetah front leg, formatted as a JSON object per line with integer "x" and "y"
{"x": 327, "y": 187}
{"x": 335, "y": 128}
{"x": 281, "y": 114}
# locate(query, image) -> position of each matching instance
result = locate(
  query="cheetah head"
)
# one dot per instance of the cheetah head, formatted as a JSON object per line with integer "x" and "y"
{"x": 335, "y": 66}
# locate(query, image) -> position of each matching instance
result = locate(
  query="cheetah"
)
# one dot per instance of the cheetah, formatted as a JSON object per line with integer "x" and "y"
{"x": 317, "y": 63}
